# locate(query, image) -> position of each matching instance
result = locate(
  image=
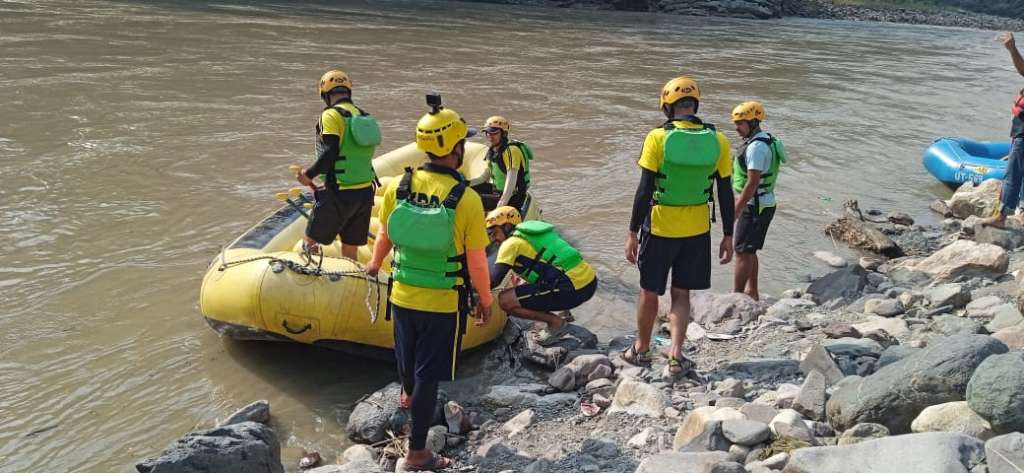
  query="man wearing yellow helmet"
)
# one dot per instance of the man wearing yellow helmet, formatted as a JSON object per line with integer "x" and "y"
{"x": 346, "y": 138}
{"x": 508, "y": 174}
{"x": 755, "y": 172}
{"x": 435, "y": 223}
{"x": 557, "y": 277}
{"x": 670, "y": 232}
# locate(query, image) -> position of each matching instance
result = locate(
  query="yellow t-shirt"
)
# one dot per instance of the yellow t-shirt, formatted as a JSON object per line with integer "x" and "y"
{"x": 689, "y": 220}
{"x": 332, "y": 123}
{"x": 470, "y": 234}
{"x": 514, "y": 247}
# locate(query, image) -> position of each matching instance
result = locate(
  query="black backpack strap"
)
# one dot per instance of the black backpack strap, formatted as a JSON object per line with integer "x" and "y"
{"x": 710, "y": 126}
{"x": 404, "y": 191}
{"x": 455, "y": 195}
{"x": 341, "y": 111}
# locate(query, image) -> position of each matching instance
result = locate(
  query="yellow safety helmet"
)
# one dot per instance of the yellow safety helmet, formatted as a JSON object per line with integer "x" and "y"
{"x": 496, "y": 123}
{"x": 679, "y": 88}
{"x": 752, "y": 110}
{"x": 438, "y": 132}
{"x": 333, "y": 79}
{"x": 502, "y": 215}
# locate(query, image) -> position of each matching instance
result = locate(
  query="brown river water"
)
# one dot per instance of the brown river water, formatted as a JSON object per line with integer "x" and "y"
{"x": 137, "y": 138}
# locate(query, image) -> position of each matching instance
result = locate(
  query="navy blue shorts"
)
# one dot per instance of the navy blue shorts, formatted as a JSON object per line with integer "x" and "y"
{"x": 546, "y": 297}
{"x": 427, "y": 344}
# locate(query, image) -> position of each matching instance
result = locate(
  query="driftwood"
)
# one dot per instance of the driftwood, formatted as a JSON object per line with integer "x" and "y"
{"x": 855, "y": 231}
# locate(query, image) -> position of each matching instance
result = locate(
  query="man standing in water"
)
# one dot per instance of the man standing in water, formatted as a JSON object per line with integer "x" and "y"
{"x": 1012, "y": 183}
{"x": 754, "y": 173}
{"x": 508, "y": 167}
{"x": 670, "y": 230}
{"x": 436, "y": 224}
{"x": 346, "y": 138}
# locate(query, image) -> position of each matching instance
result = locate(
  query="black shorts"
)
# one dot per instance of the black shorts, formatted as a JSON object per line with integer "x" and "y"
{"x": 546, "y": 297}
{"x": 426, "y": 343}
{"x": 344, "y": 212}
{"x": 751, "y": 229}
{"x": 689, "y": 260}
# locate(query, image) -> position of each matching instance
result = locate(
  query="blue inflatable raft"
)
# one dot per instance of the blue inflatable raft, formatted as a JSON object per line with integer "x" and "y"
{"x": 954, "y": 161}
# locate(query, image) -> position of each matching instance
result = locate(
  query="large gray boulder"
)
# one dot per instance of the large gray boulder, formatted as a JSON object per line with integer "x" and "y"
{"x": 1005, "y": 453}
{"x": 933, "y": 452}
{"x": 996, "y": 391}
{"x": 678, "y": 462}
{"x": 897, "y": 393}
{"x": 360, "y": 466}
{"x": 716, "y": 311}
{"x": 245, "y": 447}
{"x": 766, "y": 369}
{"x": 965, "y": 258}
{"x": 846, "y": 284}
{"x": 375, "y": 415}
{"x": 979, "y": 200}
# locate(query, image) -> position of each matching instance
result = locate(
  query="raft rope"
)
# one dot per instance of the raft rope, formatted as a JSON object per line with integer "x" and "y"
{"x": 307, "y": 268}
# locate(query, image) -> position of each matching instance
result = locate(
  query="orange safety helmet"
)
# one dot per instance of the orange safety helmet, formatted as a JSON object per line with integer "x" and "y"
{"x": 679, "y": 88}
{"x": 334, "y": 79}
{"x": 496, "y": 123}
{"x": 752, "y": 110}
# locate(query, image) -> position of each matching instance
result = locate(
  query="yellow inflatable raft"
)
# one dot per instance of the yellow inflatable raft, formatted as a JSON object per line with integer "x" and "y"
{"x": 262, "y": 286}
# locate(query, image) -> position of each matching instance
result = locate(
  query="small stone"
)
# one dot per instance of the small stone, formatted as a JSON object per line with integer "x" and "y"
{"x": 862, "y": 432}
{"x": 952, "y": 417}
{"x": 984, "y": 307}
{"x": 745, "y": 432}
{"x": 819, "y": 360}
{"x": 730, "y": 387}
{"x": 787, "y": 417}
{"x": 519, "y": 423}
{"x": 541, "y": 465}
{"x": 1005, "y": 453}
{"x": 258, "y": 411}
{"x": 810, "y": 402}
{"x": 791, "y": 294}
{"x": 1005, "y": 316}
{"x": 358, "y": 453}
{"x": 725, "y": 467}
{"x": 950, "y": 324}
{"x": 642, "y": 439}
{"x": 437, "y": 438}
{"x": 884, "y": 307}
{"x": 637, "y": 398}
{"x": 710, "y": 439}
{"x": 830, "y": 259}
{"x": 455, "y": 417}
{"x": 841, "y": 330}
{"x": 900, "y": 218}
{"x": 759, "y": 412}
{"x": 1013, "y": 337}
{"x": 893, "y": 326}
{"x": 853, "y": 347}
{"x": 870, "y": 263}
{"x": 954, "y": 295}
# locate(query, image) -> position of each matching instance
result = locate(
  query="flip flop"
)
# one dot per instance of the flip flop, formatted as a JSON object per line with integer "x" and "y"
{"x": 437, "y": 462}
{"x": 589, "y": 409}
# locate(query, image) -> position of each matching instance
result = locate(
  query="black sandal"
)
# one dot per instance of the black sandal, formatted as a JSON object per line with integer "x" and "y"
{"x": 635, "y": 357}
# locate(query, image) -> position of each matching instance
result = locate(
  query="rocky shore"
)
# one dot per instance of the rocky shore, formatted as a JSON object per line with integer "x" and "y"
{"x": 908, "y": 360}
{"x": 765, "y": 9}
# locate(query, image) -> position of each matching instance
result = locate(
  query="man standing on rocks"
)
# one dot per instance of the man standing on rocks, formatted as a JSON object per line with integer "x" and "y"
{"x": 670, "y": 230}
{"x": 1010, "y": 194}
{"x": 754, "y": 173}
{"x": 436, "y": 224}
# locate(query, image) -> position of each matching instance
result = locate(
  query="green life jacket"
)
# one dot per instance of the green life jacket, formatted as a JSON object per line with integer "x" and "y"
{"x": 768, "y": 178}
{"x": 551, "y": 249}
{"x": 354, "y": 165}
{"x": 424, "y": 239}
{"x": 690, "y": 162}
{"x": 499, "y": 171}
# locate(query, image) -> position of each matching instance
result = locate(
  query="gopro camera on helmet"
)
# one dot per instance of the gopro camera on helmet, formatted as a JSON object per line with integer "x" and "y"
{"x": 434, "y": 101}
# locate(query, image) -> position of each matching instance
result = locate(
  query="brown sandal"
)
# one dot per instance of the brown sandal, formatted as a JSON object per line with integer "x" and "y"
{"x": 635, "y": 357}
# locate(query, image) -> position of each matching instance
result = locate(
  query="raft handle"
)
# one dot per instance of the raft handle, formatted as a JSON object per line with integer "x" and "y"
{"x": 300, "y": 331}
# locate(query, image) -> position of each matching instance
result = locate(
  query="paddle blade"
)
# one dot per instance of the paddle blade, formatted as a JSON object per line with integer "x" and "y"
{"x": 282, "y": 196}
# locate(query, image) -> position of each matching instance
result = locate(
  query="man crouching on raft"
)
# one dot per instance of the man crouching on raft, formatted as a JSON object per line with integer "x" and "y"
{"x": 557, "y": 277}
{"x": 681, "y": 162}
{"x": 436, "y": 224}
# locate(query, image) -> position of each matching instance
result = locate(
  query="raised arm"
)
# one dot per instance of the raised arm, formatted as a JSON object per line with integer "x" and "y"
{"x": 1011, "y": 45}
